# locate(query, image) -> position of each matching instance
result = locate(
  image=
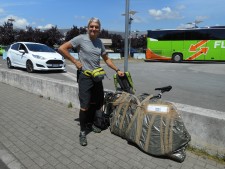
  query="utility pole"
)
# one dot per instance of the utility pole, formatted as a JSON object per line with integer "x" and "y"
{"x": 126, "y": 36}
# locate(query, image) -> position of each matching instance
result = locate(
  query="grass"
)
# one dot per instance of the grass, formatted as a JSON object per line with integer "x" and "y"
{"x": 203, "y": 154}
{"x": 70, "y": 105}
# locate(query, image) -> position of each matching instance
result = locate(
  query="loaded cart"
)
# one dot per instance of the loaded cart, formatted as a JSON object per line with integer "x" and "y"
{"x": 151, "y": 123}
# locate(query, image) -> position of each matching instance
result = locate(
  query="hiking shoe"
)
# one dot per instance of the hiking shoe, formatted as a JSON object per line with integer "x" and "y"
{"x": 89, "y": 126}
{"x": 83, "y": 139}
{"x": 96, "y": 129}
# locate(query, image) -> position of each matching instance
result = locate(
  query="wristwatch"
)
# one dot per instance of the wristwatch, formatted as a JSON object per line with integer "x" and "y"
{"x": 117, "y": 70}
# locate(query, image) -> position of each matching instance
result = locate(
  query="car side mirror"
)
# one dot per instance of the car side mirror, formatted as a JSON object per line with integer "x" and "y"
{"x": 22, "y": 51}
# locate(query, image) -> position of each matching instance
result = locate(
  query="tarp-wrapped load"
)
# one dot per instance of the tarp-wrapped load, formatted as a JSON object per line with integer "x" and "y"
{"x": 155, "y": 126}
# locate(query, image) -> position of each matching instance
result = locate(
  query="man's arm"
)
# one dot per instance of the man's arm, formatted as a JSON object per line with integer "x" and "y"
{"x": 110, "y": 63}
{"x": 63, "y": 49}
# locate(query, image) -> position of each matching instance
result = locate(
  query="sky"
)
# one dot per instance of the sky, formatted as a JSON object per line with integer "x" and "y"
{"x": 150, "y": 14}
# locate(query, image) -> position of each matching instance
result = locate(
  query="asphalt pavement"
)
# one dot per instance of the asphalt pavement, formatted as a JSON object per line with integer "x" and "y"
{"x": 39, "y": 133}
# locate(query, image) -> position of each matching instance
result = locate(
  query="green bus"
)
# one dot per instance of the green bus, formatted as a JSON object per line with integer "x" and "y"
{"x": 2, "y": 50}
{"x": 195, "y": 44}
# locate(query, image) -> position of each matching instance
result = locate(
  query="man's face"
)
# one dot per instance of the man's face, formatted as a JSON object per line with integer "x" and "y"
{"x": 93, "y": 30}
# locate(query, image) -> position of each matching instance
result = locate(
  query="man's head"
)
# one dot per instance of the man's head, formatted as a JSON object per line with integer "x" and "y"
{"x": 94, "y": 27}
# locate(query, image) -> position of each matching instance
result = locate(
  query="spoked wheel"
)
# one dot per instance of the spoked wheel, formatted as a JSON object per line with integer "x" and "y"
{"x": 9, "y": 64}
{"x": 29, "y": 67}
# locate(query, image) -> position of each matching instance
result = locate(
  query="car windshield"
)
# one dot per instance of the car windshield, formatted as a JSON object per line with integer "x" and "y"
{"x": 39, "y": 48}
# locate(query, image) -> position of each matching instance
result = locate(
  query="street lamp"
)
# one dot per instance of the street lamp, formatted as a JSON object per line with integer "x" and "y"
{"x": 131, "y": 13}
{"x": 195, "y": 23}
{"x": 128, "y": 19}
{"x": 10, "y": 22}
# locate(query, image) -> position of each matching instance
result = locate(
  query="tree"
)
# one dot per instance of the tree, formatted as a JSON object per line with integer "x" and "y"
{"x": 7, "y": 34}
{"x": 49, "y": 37}
{"x": 52, "y": 37}
{"x": 25, "y": 35}
{"x": 104, "y": 34}
{"x": 117, "y": 42}
{"x": 72, "y": 33}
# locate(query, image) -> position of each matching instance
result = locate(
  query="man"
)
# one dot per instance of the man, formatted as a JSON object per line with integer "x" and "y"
{"x": 90, "y": 50}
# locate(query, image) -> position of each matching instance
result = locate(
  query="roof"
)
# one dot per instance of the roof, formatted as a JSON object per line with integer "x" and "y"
{"x": 106, "y": 42}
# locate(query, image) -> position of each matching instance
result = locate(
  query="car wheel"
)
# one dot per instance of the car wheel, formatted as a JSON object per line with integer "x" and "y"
{"x": 9, "y": 64}
{"x": 177, "y": 57}
{"x": 29, "y": 67}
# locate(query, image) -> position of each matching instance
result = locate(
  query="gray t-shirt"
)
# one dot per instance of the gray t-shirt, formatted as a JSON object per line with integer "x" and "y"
{"x": 89, "y": 51}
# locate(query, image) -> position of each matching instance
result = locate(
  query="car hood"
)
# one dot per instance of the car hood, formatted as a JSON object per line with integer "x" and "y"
{"x": 48, "y": 55}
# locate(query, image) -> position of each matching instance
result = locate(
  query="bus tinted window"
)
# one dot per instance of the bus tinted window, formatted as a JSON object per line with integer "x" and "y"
{"x": 217, "y": 34}
{"x": 167, "y": 35}
{"x": 188, "y": 34}
{"x": 198, "y": 34}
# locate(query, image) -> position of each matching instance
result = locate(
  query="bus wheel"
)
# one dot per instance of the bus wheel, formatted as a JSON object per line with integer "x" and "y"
{"x": 177, "y": 57}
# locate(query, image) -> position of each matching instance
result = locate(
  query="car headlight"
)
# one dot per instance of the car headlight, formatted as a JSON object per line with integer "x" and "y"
{"x": 39, "y": 57}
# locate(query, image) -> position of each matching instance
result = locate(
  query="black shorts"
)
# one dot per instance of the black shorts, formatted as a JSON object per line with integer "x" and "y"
{"x": 90, "y": 92}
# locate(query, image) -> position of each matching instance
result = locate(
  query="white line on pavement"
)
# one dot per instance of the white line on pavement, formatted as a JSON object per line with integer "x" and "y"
{"x": 201, "y": 111}
{"x": 71, "y": 76}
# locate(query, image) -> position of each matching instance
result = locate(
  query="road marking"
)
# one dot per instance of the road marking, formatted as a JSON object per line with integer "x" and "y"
{"x": 201, "y": 111}
{"x": 71, "y": 76}
{"x": 72, "y": 66}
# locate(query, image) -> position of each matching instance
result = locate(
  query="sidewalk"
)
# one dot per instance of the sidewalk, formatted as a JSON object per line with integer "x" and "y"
{"x": 38, "y": 133}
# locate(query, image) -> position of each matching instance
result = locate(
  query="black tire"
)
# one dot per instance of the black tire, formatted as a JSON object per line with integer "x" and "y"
{"x": 177, "y": 57}
{"x": 9, "y": 64}
{"x": 29, "y": 67}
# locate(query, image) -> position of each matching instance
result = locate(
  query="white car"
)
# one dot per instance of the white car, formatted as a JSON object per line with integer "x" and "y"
{"x": 34, "y": 56}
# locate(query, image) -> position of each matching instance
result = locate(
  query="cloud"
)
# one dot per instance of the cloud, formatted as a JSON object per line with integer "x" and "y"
{"x": 1, "y": 10}
{"x": 201, "y": 18}
{"x": 48, "y": 26}
{"x": 164, "y": 13}
{"x": 22, "y": 23}
{"x": 181, "y": 7}
{"x": 185, "y": 26}
{"x": 138, "y": 19}
{"x": 17, "y": 23}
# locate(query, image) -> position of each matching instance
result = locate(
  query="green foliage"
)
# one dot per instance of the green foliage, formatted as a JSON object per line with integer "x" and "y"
{"x": 53, "y": 37}
{"x": 203, "y": 153}
{"x": 70, "y": 105}
{"x": 7, "y": 34}
{"x": 74, "y": 32}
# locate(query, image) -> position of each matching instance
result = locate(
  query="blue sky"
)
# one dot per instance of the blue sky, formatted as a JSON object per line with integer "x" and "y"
{"x": 151, "y": 14}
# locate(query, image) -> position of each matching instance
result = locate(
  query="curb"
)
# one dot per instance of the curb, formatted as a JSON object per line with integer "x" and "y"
{"x": 205, "y": 126}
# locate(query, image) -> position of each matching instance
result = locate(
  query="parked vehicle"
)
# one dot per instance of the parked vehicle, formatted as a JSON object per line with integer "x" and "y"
{"x": 34, "y": 56}
{"x": 131, "y": 51}
{"x": 178, "y": 45}
{"x": 2, "y": 50}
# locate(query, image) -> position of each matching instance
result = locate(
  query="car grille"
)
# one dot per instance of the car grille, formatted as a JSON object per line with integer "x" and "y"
{"x": 54, "y": 63}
